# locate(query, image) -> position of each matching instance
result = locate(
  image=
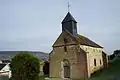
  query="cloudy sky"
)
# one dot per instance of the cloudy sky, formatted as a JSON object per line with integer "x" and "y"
{"x": 35, "y": 24}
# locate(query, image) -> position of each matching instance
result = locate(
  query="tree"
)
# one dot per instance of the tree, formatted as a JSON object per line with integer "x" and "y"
{"x": 25, "y": 66}
{"x": 117, "y": 53}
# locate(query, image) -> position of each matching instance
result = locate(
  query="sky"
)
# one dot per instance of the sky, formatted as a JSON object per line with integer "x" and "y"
{"x": 34, "y": 25}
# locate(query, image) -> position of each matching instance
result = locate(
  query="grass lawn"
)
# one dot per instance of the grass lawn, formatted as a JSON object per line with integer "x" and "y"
{"x": 110, "y": 73}
{"x": 42, "y": 78}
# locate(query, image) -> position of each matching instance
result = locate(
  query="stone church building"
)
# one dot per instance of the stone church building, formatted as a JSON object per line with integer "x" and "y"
{"x": 75, "y": 56}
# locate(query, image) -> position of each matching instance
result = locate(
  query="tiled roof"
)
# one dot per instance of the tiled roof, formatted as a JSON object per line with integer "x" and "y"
{"x": 85, "y": 41}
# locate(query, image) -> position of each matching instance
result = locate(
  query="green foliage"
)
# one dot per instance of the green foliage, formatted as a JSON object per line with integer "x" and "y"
{"x": 25, "y": 66}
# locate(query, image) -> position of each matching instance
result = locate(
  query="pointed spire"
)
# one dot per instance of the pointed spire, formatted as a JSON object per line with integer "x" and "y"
{"x": 69, "y": 24}
{"x": 68, "y": 18}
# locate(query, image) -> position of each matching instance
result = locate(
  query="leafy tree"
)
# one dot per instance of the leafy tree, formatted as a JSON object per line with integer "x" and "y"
{"x": 112, "y": 56}
{"x": 25, "y": 66}
{"x": 117, "y": 53}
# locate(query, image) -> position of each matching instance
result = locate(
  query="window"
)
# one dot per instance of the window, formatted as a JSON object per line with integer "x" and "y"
{"x": 65, "y": 48}
{"x": 65, "y": 40}
{"x": 94, "y": 62}
{"x": 100, "y": 62}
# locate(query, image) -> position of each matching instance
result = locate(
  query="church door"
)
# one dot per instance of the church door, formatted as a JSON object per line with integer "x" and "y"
{"x": 66, "y": 68}
{"x": 66, "y": 71}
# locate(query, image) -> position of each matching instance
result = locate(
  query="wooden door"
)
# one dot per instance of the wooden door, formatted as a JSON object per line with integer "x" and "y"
{"x": 67, "y": 71}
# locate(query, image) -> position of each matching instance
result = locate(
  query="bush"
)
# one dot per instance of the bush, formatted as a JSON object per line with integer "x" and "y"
{"x": 25, "y": 66}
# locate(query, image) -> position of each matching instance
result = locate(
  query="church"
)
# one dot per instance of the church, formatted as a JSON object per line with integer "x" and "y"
{"x": 75, "y": 56}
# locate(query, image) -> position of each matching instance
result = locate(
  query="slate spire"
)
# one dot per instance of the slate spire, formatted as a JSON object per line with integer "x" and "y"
{"x": 69, "y": 24}
{"x": 68, "y": 17}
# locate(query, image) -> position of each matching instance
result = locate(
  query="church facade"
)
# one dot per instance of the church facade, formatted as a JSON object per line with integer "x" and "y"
{"x": 74, "y": 56}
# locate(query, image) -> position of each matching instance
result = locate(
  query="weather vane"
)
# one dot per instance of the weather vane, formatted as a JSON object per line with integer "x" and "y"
{"x": 69, "y": 6}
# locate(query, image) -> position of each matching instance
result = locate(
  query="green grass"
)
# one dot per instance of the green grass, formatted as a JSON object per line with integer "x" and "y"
{"x": 42, "y": 78}
{"x": 110, "y": 73}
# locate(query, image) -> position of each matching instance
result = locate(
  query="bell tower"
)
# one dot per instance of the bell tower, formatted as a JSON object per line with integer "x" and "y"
{"x": 69, "y": 24}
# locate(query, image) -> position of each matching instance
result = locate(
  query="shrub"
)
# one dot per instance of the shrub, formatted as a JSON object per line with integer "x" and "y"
{"x": 25, "y": 66}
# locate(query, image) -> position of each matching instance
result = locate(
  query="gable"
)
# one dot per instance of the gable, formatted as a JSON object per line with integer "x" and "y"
{"x": 61, "y": 40}
{"x": 2, "y": 66}
{"x": 6, "y": 68}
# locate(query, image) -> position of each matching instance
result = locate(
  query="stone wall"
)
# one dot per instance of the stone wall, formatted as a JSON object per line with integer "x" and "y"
{"x": 78, "y": 66}
{"x": 93, "y": 53}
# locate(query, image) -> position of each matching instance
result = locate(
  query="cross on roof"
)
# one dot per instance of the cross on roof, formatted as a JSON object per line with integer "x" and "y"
{"x": 68, "y": 6}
